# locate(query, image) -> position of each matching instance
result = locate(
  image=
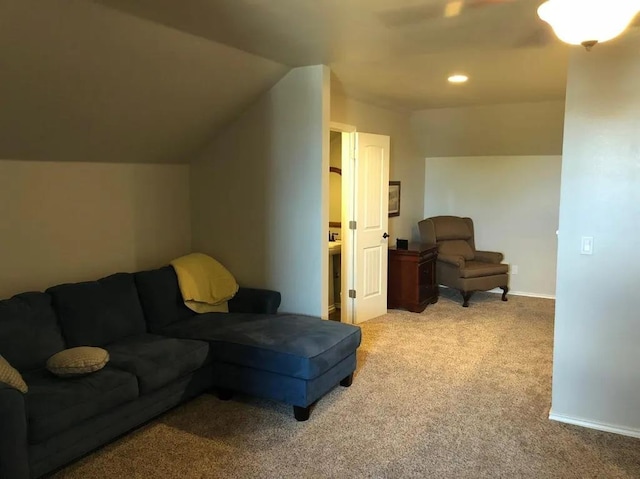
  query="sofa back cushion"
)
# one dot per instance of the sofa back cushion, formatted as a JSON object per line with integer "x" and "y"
{"x": 161, "y": 298}
{"x": 95, "y": 313}
{"x": 29, "y": 331}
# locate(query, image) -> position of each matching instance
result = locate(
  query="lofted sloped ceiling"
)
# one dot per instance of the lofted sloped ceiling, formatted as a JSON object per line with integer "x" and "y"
{"x": 394, "y": 53}
{"x": 83, "y": 82}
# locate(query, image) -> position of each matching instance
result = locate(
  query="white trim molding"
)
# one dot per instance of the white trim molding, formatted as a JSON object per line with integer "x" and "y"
{"x": 513, "y": 293}
{"x": 623, "y": 431}
{"x": 343, "y": 127}
{"x": 524, "y": 293}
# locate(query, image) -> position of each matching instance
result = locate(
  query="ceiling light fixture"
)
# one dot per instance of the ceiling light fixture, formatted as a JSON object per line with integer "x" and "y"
{"x": 588, "y": 22}
{"x": 458, "y": 78}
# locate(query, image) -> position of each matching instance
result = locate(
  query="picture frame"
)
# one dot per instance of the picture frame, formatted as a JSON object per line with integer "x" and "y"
{"x": 394, "y": 198}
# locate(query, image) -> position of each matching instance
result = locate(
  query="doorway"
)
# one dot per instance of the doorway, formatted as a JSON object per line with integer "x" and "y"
{"x": 340, "y": 237}
{"x": 358, "y": 223}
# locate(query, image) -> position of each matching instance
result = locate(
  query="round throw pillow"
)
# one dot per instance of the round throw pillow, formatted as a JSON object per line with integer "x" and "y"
{"x": 11, "y": 377}
{"x": 77, "y": 361}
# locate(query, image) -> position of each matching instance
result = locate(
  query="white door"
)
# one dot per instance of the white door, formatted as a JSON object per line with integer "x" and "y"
{"x": 371, "y": 214}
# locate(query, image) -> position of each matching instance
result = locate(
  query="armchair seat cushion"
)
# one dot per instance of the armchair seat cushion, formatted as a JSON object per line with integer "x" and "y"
{"x": 56, "y": 404}
{"x": 477, "y": 269}
{"x": 157, "y": 360}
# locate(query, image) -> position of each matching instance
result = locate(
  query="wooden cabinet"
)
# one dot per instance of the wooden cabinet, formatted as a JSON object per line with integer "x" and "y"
{"x": 412, "y": 277}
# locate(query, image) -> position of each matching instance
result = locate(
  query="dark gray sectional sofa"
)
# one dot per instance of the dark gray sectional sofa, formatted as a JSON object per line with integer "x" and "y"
{"x": 162, "y": 354}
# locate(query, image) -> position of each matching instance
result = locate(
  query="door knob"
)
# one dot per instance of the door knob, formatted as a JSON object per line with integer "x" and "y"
{"x": 385, "y": 236}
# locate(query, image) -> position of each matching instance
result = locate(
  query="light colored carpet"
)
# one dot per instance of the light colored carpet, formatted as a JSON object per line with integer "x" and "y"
{"x": 448, "y": 393}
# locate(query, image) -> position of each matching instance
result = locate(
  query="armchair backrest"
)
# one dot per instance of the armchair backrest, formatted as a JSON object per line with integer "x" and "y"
{"x": 453, "y": 235}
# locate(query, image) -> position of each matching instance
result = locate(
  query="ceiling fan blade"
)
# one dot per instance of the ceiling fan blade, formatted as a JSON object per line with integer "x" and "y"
{"x": 540, "y": 37}
{"x": 405, "y": 16}
{"x": 416, "y": 14}
{"x": 485, "y": 3}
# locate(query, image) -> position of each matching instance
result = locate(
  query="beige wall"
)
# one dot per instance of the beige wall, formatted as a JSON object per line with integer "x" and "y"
{"x": 493, "y": 130}
{"x": 67, "y": 222}
{"x": 406, "y": 164}
{"x": 596, "y": 378}
{"x": 514, "y": 204}
{"x": 258, "y": 202}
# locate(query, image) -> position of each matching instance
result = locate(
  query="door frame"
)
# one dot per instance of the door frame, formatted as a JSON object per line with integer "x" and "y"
{"x": 347, "y": 263}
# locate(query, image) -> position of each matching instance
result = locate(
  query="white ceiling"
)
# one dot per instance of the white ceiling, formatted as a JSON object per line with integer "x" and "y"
{"x": 395, "y": 53}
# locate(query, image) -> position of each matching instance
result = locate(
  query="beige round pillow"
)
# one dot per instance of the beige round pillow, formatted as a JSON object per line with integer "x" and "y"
{"x": 11, "y": 377}
{"x": 77, "y": 361}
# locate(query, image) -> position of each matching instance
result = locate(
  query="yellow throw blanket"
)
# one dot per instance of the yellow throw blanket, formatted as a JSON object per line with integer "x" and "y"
{"x": 205, "y": 284}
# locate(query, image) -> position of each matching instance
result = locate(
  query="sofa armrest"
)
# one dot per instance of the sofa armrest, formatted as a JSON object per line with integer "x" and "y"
{"x": 14, "y": 453}
{"x": 251, "y": 300}
{"x": 489, "y": 256}
{"x": 455, "y": 260}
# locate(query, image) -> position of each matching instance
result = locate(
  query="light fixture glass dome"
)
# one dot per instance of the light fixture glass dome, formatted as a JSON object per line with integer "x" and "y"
{"x": 584, "y": 22}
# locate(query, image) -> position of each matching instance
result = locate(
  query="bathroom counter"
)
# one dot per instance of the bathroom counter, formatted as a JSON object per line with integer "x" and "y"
{"x": 335, "y": 247}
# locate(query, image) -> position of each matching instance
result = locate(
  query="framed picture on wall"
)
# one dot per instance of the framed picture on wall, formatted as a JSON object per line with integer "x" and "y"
{"x": 394, "y": 198}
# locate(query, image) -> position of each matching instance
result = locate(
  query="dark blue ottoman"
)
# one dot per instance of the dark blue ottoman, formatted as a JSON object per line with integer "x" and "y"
{"x": 287, "y": 358}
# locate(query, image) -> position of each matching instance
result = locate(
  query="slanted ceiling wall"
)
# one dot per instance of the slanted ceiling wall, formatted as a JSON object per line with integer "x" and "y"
{"x": 514, "y": 129}
{"x": 83, "y": 82}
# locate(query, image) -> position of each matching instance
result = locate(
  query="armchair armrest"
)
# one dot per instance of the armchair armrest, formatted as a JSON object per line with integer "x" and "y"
{"x": 14, "y": 454}
{"x": 489, "y": 256}
{"x": 252, "y": 300}
{"x": 455, "y": 260}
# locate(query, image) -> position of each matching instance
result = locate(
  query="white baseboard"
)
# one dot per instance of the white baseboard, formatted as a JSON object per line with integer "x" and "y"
{"x": 518, "y": 293}
{"x": 524, "y": 293}
{"x": 623, "y": 431}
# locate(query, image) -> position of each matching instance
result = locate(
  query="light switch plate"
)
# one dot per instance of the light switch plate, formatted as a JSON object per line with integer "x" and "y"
{"x": 587, "y": 245}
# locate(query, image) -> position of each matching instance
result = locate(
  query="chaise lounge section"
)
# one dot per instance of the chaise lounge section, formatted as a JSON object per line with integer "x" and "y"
{"x": 162, "y": 354}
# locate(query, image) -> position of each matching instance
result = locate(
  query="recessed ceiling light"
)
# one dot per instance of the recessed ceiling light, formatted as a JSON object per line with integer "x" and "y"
{"x": 458, "y": 78}
{"x": 453, "y": 8}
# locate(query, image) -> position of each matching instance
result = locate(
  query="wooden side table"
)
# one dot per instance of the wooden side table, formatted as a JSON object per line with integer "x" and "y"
{"x": 412, "y": 277}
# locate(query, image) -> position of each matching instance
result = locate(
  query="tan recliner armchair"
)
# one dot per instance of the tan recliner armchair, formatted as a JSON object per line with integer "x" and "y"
{"x": 459, "y": 265}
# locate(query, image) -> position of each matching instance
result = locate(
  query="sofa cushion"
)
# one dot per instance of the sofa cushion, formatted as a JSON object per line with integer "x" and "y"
{"x": 161, "y": 298}
{"x": 29, "y": 331}
{"x": 158, "y": 360}
{"x": 456, "y": 248}
{"x": 297, "y": 346}
{"x": 55, "y": 404}
{"x": 476, "y": 269}
{"x": 77, "y": 361}
{"x": 11, "y": 377}
{"x": 95, "y": 313}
